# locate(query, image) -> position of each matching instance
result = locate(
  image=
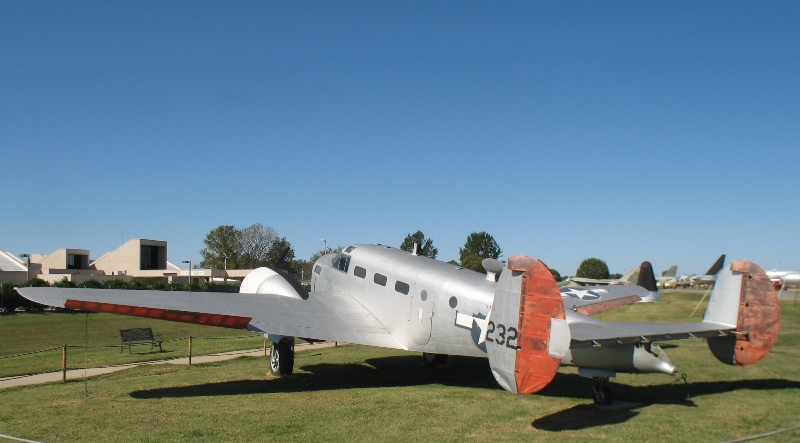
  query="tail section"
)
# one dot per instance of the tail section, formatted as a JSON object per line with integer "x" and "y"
{"x": 671, "y": 272}
{"x": 527, "y": 335}
{"x": 717, "y": 266}
{"x": 744, "y": 298}
{"x": 647, "y": 280}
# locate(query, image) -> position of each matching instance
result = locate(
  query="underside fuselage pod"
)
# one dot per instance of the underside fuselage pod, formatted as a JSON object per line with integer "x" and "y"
{"x": 427, "y": 305}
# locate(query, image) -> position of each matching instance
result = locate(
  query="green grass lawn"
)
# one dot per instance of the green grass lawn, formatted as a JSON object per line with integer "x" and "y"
{"x": 23, "y": 333}
{"x": 357, "y": 393}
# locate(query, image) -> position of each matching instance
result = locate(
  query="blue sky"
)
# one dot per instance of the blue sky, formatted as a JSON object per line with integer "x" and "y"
{"x": 626, "y": 131}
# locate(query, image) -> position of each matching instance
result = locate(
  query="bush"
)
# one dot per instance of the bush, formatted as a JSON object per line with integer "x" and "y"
{"x": 174, "y": 286}
{"x": 592, "y": 268}
{"x": 64, "y": 283}
{"x": 116, "y": 283}
{"x": 194, "y": 287}
{"x": 92, "y": 284}
{"x": 9, "y": 299}
{"x": 159, "y": 286}
{"x": 136, "y": 284}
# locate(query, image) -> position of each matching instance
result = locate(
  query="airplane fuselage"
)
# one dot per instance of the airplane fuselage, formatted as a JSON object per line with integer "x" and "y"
{"x": 426, "y": 304}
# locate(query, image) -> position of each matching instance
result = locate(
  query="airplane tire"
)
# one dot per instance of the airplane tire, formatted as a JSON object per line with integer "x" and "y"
{"x": 603, "y": 395}
{"x": 433, "y": 360}
{"x": 281, "y": 359}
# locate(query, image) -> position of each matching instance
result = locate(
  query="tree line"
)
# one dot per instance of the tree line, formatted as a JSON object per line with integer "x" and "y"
{"x": 228, "y": 247}
{"x": 257, "y": 245}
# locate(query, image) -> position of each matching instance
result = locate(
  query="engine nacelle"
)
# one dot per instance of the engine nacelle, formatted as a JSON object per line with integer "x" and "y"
{"x": 272, "y": 281}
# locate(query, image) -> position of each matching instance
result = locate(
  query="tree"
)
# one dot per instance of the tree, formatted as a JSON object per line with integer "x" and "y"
{"x": 472, "y": 262}
{"x": 256, "y": 242}
{"x": 9, "y": 298}
{"x": 480, "y": 244}
{"x": 425, "y": 245}
{"x": 223, "y": 242}
{"x": 281, "y": 254}
{"x": 247, "y": 248}
{"x": 592, "y": 268}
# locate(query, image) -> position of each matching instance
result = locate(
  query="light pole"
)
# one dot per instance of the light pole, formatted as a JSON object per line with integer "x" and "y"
{"x": 27, "y": 256}
{"x": 226, "y": 269}
{"x": 325, "y": 248}
{"x": 190, "y": 272}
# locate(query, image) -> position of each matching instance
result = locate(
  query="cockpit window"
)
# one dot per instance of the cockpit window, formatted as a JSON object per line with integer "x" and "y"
{"x": 341, "y": 262}
{"x": 349, "y": 248}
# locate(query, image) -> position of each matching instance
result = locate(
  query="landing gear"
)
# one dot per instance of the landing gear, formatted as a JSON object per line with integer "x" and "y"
{"x": 603, "y": 395}
{"x": 434, "y": 360}
{"x": 281, "y": 358}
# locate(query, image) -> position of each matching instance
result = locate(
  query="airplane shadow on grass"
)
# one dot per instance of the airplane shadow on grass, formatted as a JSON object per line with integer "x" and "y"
{"x": 399, "y": 371}
{"x": 629, "y": 398}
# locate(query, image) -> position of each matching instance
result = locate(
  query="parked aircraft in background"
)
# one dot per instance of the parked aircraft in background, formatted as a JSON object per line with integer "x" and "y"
{"x": 381, "y": 296}
{"x": 687, "y": 281}
{"x": 784, "y": 279}
{"x": 641, "y": 275}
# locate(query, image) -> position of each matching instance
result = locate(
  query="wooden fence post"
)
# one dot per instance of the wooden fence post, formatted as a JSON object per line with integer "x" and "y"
{"x": 64, "y": 363}
{"x": 190, "y": 350}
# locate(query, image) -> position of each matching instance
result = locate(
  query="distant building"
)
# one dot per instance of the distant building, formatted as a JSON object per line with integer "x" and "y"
{"x": 138, "y": 259}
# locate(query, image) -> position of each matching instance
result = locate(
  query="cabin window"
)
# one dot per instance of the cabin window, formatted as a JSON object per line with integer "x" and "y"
{"x": 317, "y": 269}
{"x": 341, "y": 262}
{"x": 401, "y": 287}
{"x": 360, "y": 272}
{"x": 379, "y": 279}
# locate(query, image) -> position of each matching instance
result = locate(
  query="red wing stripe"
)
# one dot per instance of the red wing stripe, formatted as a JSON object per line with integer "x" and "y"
{"x": 603, "y": 306}
{"x": 226, "y": 321}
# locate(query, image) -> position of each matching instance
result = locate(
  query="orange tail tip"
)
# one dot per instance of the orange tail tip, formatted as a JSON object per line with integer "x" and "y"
{"x": 527, "y": 334}
{"x": 759, "y": 317}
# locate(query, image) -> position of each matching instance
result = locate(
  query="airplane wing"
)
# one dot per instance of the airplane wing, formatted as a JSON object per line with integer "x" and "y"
{"x": 323, "y": 316}
{"x": 587, "y": 332}
{"x": 590, "y": 300}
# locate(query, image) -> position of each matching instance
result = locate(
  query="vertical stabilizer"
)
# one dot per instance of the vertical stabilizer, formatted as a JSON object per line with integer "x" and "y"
{"x": 671, "y": 272}
{"x": 647, "y": 280}
{"x": 527, "y": 334}
{"x": 743, "y": 297}
{"x": 717, "y": 266}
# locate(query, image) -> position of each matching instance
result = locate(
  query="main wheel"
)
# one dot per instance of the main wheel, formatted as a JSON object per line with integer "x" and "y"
{"x": 281, "y": 358}
{"x": 603, "y": 395}
{"x": 434, "y": 359}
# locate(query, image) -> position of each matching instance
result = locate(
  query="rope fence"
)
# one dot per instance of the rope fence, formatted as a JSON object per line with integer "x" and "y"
{"x": 64, "y": 352}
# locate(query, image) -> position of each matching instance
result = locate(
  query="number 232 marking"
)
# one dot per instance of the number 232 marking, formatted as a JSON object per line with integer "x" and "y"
{"x": 502, "y": 338}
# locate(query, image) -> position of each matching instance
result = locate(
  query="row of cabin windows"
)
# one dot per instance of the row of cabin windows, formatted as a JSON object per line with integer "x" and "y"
{"x": 342, "y": 263}
{"x": 381, "y": 279}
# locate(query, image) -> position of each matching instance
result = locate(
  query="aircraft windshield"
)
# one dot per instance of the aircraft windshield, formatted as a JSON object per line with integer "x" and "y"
{"x": 341, "y": 262}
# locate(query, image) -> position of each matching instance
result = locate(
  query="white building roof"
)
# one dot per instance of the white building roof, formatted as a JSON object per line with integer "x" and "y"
{"x": 9, "y": 262}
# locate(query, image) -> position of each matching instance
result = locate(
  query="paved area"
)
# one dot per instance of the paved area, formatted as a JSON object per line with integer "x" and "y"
{"x": 72, "y": 374}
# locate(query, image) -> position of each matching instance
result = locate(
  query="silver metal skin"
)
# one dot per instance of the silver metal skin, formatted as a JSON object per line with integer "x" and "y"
{"x": 382, "y": 296}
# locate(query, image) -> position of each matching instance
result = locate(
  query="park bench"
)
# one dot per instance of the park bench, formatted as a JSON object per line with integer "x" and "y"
{"x": 139, "y": 336}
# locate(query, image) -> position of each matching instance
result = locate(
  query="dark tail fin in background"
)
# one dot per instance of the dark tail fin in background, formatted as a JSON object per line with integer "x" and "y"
{"x": 714, "y": 269}
{"x": 671, "y": 272}
{"x": 647, "y": 280}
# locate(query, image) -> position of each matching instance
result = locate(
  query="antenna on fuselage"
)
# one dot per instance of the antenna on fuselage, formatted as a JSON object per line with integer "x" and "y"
{"x": 416, "y": 246}
{"x": 493, "y": 267}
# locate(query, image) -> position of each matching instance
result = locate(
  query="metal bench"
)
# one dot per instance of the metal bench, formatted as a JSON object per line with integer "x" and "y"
{"x": 139, "y": 336}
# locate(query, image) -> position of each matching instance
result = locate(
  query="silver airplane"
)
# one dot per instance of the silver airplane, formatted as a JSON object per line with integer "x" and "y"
{"x": 514, "y": 315}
